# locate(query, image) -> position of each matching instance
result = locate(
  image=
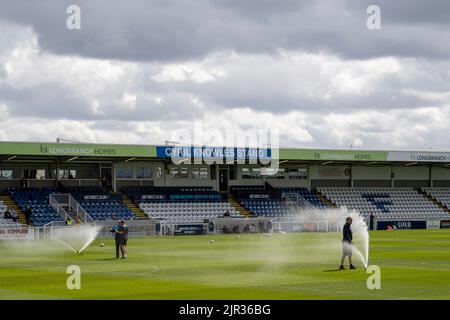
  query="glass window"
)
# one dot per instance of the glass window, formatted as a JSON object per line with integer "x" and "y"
{"x": 204, "y": 173}
{"x": 6, "y": 174}
{"x": 178, "y": 172}
{"x": 63, "y": 174}
{"x": 159, "y": 172}
{"x": 256, "y": 173}
{"x": 40, "y": 174}
{"x": 144, "y": 172}
{"x": 125, "y": 172}
{"x": 273, "y": 173}
{"x": 199, "y": 173}
{"x": 245, "y": 173}
{"x": 298, "y": 173}
{"x": 174, "y": 172}
{"x": 72, "y": 174}
{"x": 183, "y": 172}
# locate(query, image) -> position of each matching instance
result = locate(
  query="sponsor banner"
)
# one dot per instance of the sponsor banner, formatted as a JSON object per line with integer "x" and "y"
{"x": 72, "y": 149}
{"x": 308, "y": 226}
{"x": 434, "y": 224}
{"x": 259, "y": 196}
{"x": 332, "y": 155}
{"x": 263, "y": 194}
{"x": 334, "y": 172}
{"x": 445, "y": 224}
{"x": 419, "y": 156}
{"x": 188, "y": 229}
{"x": 153, "y": 197}
{"x": 96, "y": 197}
{"x": 15, "y": 233}
{"x": 383, "y": 225}
{"x": 183, "y": 197}
{"x": 221, "y": 153}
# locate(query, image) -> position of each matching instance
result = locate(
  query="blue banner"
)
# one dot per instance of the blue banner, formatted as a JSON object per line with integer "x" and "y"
{"x": 184, "y": 197}
{"x": 213, "y": 153}
{"x": 383, "y": 225}
{"x": 188, "y": 229}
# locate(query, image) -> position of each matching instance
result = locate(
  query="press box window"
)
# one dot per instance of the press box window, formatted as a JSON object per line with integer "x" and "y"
{"x": 256, "y": 173}
{"x": 300, "y": 173}
{"x": 273, "y": 173}
{"x": 246, "y": 173}
{"x": 6, "y": 174}
{"x": 203, "y": 173}
{"x": 159, "y": 172}
{"x": 125, "y": 173}
{"x": 179, "y": 172}
{"x": 144, "y": 172}
{"x": 66, "y": 174}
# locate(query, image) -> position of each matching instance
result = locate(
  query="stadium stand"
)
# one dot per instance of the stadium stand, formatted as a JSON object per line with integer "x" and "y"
{"x": 384, "y": 203}
{"x": 305, "y": 194}
{"x": 6, "y": 222}
{"x": 3, "y": 208}
{"x": 440, "y": 194}
{"x": 38, "y": 201}
{"x": 262, "y": 202}
{"x": 180, "y": 204}
{"x": 267, "y": 208}
{"x": 100, "y": 203}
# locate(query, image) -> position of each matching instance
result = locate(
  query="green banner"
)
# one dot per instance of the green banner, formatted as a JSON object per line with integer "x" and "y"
{"x": 332, "y": 155}
{"x": 81, "y": 150}
{"x": 147, "y": 151}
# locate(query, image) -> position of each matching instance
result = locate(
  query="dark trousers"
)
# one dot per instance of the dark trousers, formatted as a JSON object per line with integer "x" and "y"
{"x": 119, "y": 245}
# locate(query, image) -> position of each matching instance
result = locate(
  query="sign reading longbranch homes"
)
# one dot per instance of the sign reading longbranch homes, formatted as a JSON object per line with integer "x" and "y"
{"x": 72, "y": 149}
{"x": 81, "y": 151}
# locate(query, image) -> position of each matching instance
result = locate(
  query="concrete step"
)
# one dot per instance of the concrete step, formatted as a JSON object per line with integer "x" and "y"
{"x": 137, "y": 211}
{"x": 11, "y": 204}
{"x": 239, "y": 207}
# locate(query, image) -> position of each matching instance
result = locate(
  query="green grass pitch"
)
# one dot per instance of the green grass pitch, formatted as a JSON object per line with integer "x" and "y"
{"x": 414, "y": 265}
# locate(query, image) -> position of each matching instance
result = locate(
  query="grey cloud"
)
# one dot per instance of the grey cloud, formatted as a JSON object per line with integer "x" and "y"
{"x": 48, "y": 101}
{"x": 178, "y": 30}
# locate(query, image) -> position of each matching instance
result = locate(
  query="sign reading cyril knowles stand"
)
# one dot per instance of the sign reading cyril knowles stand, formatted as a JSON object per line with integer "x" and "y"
{"x": 221, "y": 153}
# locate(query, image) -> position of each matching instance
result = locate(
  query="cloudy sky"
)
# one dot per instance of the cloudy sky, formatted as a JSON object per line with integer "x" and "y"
{"x": 138, "y": 70}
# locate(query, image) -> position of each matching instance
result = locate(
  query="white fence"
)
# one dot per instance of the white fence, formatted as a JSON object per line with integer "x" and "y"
{"x": 67, "y": 207}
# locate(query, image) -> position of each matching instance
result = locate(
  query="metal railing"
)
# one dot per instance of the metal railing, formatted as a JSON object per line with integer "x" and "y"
{"x": 297, "y": 202}
{"x": 67, "y": 207}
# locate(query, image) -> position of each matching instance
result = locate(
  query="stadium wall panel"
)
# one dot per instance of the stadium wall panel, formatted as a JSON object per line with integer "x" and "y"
{"x": 246, "y": 182}
{"x": 411, "y": 173}
{"x": 371, "y": 183}
{"x": 441, "y": 183}
{"x": 45, "y": 183}
{"x": 368, "y": 173}
{"x": 412, "y": 183}
{"x": 330, "y": 183}
{"x": 170, "y": 182}
{"x": 5, "y": 184}
{"x": 127, "y": 183}
{"x": 277, "y": 183}
{"x": 440, "y": 173}
{"x": 90, "y": 183}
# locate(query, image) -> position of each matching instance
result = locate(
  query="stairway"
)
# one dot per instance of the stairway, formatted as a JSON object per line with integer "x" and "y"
{"x": 9, "y": 202}
{"x": 239, "y": 207}
{"x": 136, "y": 210}
{"x": 325, "y": 200}
{"x": 434, "y": 201}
